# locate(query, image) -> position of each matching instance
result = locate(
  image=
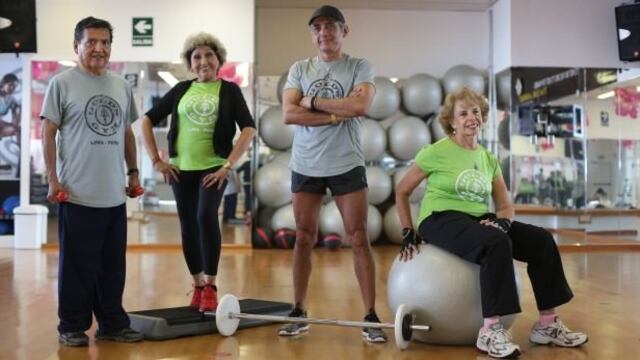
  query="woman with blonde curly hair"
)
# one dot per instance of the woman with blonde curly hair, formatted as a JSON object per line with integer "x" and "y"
{"x": 204, "y": 113}
{"x": 462, "y": 177}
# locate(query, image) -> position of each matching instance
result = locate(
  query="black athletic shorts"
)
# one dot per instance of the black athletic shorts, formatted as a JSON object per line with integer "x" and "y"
{"x": 351, "y": 181}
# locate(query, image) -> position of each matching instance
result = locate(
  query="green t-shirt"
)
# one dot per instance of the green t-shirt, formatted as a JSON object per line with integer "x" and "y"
{"x": 457, "y": 178}
{"x": 197, "y": 116}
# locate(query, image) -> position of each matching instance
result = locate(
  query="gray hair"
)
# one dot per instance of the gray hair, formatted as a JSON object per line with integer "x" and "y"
{"x": 203, "y": 39}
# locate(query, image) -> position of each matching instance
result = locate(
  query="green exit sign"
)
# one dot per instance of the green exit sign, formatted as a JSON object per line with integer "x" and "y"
{"x": 142, "y": 31}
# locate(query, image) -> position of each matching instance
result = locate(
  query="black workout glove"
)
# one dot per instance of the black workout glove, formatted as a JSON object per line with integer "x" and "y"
{"x": 504, "y": 224}
{"x": 410, "y": 244}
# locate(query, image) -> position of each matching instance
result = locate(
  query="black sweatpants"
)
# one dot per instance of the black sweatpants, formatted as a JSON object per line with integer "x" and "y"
{"x": 199, "y": 224}
{"x": 92, "y": 267}
{"x": 494, "y": 251}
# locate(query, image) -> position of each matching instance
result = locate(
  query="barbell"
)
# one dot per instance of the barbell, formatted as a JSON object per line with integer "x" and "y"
{"x": 228, "y": 317}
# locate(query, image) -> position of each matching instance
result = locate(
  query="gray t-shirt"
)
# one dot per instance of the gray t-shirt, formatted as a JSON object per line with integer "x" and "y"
{"x": 92, "y": 113}
{"x": 332, "y": 149}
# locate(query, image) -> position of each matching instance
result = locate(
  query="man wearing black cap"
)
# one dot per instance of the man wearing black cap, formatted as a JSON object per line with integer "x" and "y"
{"x": 324, "y": 97}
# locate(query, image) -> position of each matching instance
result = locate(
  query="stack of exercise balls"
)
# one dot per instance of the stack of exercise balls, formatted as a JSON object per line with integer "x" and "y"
{"x": 401, "y": 120}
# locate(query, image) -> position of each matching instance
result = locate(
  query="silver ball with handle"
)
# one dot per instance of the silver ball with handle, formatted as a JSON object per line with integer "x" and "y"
{"x": 228, "y": 317}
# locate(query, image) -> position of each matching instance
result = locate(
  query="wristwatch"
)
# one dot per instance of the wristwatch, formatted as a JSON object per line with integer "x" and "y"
{"x": 133, "y": 171}
{"x": 227, "y": 165}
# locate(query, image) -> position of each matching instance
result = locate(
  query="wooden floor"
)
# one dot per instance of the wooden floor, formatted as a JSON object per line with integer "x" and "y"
{"x": 606, "y": 285}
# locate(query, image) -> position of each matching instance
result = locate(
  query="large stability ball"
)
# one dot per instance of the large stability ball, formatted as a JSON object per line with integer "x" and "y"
{"x": 418, "y": 193}
{"x": 272, "y": 184}
{"x": 503, "y": 91}
{"x": 443, "y": 291}
{"x": 379, "y": 183}
{"x": 504, "y": 133}
{"x": 407, "y": 135}
{"x": 283, "y": 218}
{"x": 264, "y": 217}
{"x": 464, "y": 75}
{"x": 273, "y": 131}
{"x": 281, "y": 83}
{"x": 374, "y": 140}
{"x": 386, "y": 100}
{"x": 392, "y": 227}
{"x": 331, "y": 222}
{"x": 421, "y": 94}
{"x": 437, "y": 132}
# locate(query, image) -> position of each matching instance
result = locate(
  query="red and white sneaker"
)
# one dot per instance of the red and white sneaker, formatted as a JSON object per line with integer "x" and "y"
{"x": 196, "y": 296}
{"x": 209, "y": 300}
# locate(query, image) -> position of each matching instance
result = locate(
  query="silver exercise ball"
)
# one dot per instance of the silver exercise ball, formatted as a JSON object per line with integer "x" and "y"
{"x": 386, "y": 100}
{"x": 272, "y": 184}
{"x": 273, "y": 131}
{"x": 443, "y": 291}
{"x": 407, "y": 135}
{"x": 503, "y": 91}
{"x": 392, "y": 227}
{"x": 331, "y": 222}
{"x": 280, "y": 87}
{"x": 421, "y": 94}
{"x": 464, "y": 75}
{"x": 374, "y": 140}
{"x": 282, "y": 158}
{"x": 437, "y": 132}
{"x": 283, "y": 218}
{"x": 379, "y": 183}
{"x": 418, "y": 193}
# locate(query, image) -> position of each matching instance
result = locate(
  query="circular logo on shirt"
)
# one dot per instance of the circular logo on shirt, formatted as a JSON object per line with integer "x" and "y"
{"x": 472, "y": 185}
{"x": 103, "y": 115}
{"x": 201, "y": 109}
{"x": 326, "y": 88}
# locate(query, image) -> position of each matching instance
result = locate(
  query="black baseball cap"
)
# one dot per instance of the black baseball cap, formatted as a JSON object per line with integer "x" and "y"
{"x": 327, "y": 11}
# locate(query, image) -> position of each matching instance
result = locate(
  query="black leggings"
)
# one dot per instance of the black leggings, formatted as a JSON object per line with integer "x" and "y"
{"x": 199, "y": 224}
{"x": 493, "y": 250}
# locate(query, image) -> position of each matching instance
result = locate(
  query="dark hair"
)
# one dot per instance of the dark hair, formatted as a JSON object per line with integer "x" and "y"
{"x": 91, "y": 22}
{"x": 7, "y": 78}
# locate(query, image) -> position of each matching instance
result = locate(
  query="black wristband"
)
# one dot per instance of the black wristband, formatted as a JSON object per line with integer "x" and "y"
{"x": 133, "y": 171}
{"x": 313, "y": 103}
{"x": 504, "y": 223}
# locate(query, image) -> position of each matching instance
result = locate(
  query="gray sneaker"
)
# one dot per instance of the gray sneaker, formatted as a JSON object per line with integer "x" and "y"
{"x": 73, "y": 338}
{"x": 127, "y": 335}
{"x": 372, "y": 334}
{"x": 556, "y": 333}
{"x": 497, "y": 342}
{"x": 293, "y": 329}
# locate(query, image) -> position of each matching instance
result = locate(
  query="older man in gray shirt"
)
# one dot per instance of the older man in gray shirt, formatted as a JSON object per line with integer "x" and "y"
{"x": 87, "y": 140}
{"x": 324, "y": 97}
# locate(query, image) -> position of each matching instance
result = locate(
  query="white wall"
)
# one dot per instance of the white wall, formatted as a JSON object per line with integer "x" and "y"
{"x": 501, "y": 14}
{"x": 572, "y": 33}
{"x": 398, "y": 43}
{"x": 231, "y": 21}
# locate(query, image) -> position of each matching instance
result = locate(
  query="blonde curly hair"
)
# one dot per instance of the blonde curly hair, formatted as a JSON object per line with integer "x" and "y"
{"x": 465, "y": 94}
{"x": 203, "y": 39}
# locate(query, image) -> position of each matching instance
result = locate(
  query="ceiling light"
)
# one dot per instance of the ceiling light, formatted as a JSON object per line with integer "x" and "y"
{"x": 393, "y": 80}
{"x": 68, "y": 63}
{"x": 168, "y": 77}
{"x": 5, "y": 23}
{"x": 606, "y": 95}
{"x": 623, "y": 34}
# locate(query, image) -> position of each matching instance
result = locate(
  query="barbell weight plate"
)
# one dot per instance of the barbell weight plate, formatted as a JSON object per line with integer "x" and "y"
{"x": 401, "y": 313}
{"x": 226, "y": 324}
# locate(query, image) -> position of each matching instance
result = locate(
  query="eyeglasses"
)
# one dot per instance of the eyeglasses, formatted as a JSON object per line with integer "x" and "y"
{"x": 330, "y": 27}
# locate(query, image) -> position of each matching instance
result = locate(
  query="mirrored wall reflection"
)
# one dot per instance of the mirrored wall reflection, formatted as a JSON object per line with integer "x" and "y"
{"x": 154, "y": 215}
{"x": 570, "y": 142}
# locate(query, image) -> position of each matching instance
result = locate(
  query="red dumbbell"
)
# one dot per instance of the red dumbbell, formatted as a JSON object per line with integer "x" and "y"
{"x": 135, "y": 192}
{"x": 62, "y": 196}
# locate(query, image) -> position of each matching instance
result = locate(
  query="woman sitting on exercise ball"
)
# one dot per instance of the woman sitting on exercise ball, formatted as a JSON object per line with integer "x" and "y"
{"x": 454, "y": 215}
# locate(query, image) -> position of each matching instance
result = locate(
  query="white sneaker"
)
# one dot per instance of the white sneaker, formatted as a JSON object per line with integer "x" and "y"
{"x": 556, "y": 333}
{"x": 497, "y": 342}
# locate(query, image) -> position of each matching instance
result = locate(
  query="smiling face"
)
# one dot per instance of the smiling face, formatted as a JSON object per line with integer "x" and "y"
{"x": 328, "y": 34}
{"x": 204, "y": 63}
{"x": 94, "y": 50}
{"x": 467, "y": 118}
